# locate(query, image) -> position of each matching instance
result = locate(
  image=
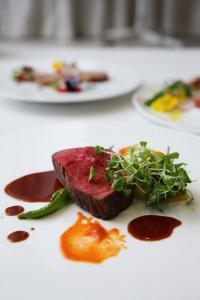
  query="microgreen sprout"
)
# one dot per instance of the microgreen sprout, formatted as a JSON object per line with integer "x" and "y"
{"x": 92, "y": 173}
{"x": 151, "y": 173}
{"x": 98, "y": 149}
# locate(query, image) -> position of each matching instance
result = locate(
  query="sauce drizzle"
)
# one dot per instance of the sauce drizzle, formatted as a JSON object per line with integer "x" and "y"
{"x": 18, "y": 236}
{"x": 14, "y": 210}
{"x": 152, "y": 227}
{"x": 36, "y": 187}
{"x": 89, "y": 241}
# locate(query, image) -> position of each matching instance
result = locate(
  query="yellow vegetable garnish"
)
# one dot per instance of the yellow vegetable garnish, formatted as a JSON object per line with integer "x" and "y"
{"x": 175, "y": 114}
{"x": 165, "y": 103}
{"x": 124, "y": 150}
{"x": 57, "y": 65}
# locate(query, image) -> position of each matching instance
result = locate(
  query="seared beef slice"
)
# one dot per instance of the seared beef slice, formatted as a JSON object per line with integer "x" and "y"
{"x": 72, "y": 167}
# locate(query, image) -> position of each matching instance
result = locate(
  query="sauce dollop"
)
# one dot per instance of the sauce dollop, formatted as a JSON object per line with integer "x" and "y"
{"x": 152, "y": 227}
{"x": 89, "y": 241}
{"x": 18, "y": 236}
{"x": 14, "y": 210}
{"x": 36, "y": 187}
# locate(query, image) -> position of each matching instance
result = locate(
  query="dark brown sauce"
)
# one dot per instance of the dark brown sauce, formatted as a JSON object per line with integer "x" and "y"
{"x": 37, "y": 187}
{"x": 14, "y": 210}
{"x": 152, "y": 227}
{"x": 32, "y": 228}
{"x": 18, "y": 236}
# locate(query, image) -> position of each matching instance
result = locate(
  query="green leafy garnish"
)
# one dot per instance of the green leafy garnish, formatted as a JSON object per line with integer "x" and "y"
{"x": 153, "y": 175}
{"x": 98, "y": 149}
{"x": 15, "y": 74}
{"x": 107, "y": 176}
{"x": 92, "y": 173}
{"x": 176, "y": 88}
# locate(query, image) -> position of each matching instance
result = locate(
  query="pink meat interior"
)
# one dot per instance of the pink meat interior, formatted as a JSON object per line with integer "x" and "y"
{"x": 77, "y": 163}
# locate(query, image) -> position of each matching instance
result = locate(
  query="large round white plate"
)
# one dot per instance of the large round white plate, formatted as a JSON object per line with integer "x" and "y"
{"x": 35, "y": 268}
{"x": 189, "y": 120}
{"x": 122, "y": 81}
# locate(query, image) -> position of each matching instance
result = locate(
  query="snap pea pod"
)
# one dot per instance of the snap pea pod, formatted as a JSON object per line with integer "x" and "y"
{"x": 59, "y": 199}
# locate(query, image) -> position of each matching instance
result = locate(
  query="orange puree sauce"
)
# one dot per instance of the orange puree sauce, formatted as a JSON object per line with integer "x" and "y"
{"x": 88, "y": 241}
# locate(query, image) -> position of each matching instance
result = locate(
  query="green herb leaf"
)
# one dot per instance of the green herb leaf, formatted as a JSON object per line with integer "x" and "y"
{"x": 127, "y": 192}
{"x": 156, "y": 177}
{"x": 107, "y": 176}
{"x": 98, "y": 149}
{"x": 118, "y": 184}
{"x": 143, "y": 144}
{"x": 92, "y": 173}
{"x": 16, "y": 74}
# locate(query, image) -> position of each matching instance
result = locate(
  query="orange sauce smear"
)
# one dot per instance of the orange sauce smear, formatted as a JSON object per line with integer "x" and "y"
{"x": 89, "y": 241}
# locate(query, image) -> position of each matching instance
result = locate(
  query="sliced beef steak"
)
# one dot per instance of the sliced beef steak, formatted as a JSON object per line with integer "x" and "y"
{"x": 72, "y": 167}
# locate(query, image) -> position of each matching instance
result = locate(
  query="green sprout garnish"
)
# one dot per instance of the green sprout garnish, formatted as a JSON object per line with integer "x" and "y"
{"x": 153, "y": 175}
{"x": 92, "y": 173}
{"x": 98, "y": 149}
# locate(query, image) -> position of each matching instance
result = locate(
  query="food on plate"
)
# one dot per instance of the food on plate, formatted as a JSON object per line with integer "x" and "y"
{"x": 152, "y": 227}
{"x": 25, "y": 73}
{"x": 82, "y": 172}
{"x": 66, "y": 77}
{"x": 18, "y": 236}
{"x": 35, "y": 187}
{"x": 14, "y": 210}
{"x": 175, "y": 98}
{"x": 89, "y": 241}
{"x": 152, "y": 175}
{"x": 93, "y": 76}
{"x": 104, "y": 183}
{"x": 59, "y": 199}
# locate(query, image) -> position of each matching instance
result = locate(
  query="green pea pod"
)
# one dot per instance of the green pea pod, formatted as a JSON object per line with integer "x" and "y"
{"x": 59, "y": 199}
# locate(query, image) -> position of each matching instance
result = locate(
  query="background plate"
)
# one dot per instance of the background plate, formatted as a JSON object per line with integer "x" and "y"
{"x": 122, "y": 81}
{"x": 189, "y": 120}
{"x": 35, "y": 269}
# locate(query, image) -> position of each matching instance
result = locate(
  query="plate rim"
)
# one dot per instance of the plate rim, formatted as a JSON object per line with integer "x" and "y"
{"x": 82, "y": 97}
{"x": 137, "y": 105}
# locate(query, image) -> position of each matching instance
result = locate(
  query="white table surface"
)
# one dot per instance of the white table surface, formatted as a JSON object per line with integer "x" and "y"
{"x": 149, "y": 65}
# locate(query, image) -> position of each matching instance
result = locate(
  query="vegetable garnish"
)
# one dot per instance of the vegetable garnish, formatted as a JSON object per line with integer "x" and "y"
{"x": 178, "y": 88}
{"x": 59, "y": 199}
{"x": 92, "y": 173}
{"x": 151, "y": 174}
{"x": 174, "y": 99}
{"x": 98, "y": 149}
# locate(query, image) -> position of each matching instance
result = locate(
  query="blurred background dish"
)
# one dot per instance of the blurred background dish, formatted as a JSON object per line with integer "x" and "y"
{"x": 121, "y": 81}
{"x": 186, "y": 119}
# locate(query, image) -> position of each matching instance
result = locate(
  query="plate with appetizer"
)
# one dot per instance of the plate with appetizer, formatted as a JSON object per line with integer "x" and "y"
{"x": 110, "y": 213}
{"x": 64, "y": 81}
{"x": 175, "y": 104}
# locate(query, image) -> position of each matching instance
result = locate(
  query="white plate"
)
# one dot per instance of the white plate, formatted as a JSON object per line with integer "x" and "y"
{"x": 35, "y": 268}
{"x": 189, "y": 120}
{"x": 122, "y": 81}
